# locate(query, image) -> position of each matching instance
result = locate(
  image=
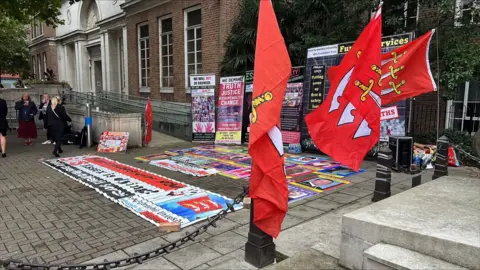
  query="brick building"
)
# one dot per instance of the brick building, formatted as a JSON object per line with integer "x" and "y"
{"x": 171, "y": 39}
{"x": 43, "y": 51}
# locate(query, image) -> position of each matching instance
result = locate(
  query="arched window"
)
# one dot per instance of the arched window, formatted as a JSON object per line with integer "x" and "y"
{"x": 89, "y": 14}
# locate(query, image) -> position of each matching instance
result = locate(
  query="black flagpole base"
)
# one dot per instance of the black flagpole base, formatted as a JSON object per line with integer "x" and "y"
{"x": 259, "y": 249}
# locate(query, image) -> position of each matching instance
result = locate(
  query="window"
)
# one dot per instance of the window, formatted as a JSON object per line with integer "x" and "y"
{"x": 464, "y": 110}
{"x": 45, "y": 62}
{"x": 467, "y": 12}
{"x": 37, "y": 28}
{"x": 39, "y": 64}
{"x": 34, "y": 67}
{"x": 166, "y": 53}
{"x": 144, "y": 56}
{"x": 411, "y": 13}
{"x": 193, "y": 42}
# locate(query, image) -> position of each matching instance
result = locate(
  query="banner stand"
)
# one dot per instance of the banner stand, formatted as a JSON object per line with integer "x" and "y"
{"x": 202, "y": 89}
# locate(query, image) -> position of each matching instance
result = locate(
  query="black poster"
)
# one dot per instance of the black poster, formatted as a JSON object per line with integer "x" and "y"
{"x": 247, "y": 105}
{"x": 317, "y": 87}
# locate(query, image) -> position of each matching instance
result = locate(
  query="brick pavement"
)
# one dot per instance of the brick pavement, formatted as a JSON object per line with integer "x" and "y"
{"x": 48, "y": 216}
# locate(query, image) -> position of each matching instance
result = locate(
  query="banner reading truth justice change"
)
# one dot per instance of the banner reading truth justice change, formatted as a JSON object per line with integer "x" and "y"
{"x": 230, "y": 110}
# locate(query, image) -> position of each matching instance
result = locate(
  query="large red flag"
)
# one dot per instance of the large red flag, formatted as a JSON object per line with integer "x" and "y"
{"x": 363, "y": 89}
{"x": 148, "y": 122}
{"x": 268, "y": 185}
{"x": 336, "y": 127}
{"x": 406, "y": 71}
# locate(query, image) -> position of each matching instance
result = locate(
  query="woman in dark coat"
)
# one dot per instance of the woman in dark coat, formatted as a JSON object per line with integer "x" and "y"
{"x": 27, "y": 109}
{"x": 3, "y": 126}
{"x": 57, "y": 119}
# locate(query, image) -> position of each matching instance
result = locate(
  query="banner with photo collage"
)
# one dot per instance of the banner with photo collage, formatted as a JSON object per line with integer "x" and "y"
{"x": 202, "y": 88}
{"x": 316, "y": 87}
{"x": 291, "y": 114}
{"x": 153, "y": 197}
{"x": 230, "y": 110}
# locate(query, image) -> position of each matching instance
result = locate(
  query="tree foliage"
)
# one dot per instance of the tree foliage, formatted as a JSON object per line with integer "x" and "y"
{"x": 14, "y": 53}
{"x": 310, "y": 23}
{"x": 25, "y": 10}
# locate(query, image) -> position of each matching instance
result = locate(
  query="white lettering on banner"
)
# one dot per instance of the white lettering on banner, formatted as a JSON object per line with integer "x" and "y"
{"x": 322, "y": 51}
{"x": 202, "y": 80}
{"x": 389, "y": 113}
{"x": 139, "y": 205}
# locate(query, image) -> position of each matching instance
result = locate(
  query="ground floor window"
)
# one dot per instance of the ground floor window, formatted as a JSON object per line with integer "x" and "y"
{"x": 464, "y": 110}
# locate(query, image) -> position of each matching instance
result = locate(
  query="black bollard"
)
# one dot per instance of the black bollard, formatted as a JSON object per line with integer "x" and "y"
{"x": 416, "y": 180}
{"x": 384, "y": 175}
{"x": 259, "y": 249}
{"x": 441, "y": 162}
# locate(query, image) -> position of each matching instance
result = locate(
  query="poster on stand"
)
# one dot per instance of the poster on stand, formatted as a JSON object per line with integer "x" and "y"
{"x": 202, "y": 89}
{"x": 316, "y": 85}
{"x": 230, "y": 110}
{"x": 291, "y": 115}
{"x": 113, "y": 142}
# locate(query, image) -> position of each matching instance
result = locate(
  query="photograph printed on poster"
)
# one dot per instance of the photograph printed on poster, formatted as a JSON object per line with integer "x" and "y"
{"x": 295, "y": 170}
{"x": 203, "y": 110}
{"x": 340, "y": 171}
{"x": 319, "y": 183}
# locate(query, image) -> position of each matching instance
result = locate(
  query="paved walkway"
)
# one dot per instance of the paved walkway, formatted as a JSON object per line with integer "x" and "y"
{"x": 47, "y": 216}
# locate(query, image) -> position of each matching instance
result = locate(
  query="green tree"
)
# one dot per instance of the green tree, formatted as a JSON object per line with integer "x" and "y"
{"x": 14, "y": 53}
{"x": 24, "y": 10}
{"x": 310, "y": 23}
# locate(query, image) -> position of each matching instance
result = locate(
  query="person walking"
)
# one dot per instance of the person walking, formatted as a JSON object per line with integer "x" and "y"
{"x": 27, "y": 109}
{"x": 43, "y": 116}
{"x": 3, "y": 127}
{"x": 57, "y": 119}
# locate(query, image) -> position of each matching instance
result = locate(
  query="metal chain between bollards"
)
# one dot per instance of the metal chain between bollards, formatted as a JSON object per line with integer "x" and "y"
{"x": 136, "y": 258}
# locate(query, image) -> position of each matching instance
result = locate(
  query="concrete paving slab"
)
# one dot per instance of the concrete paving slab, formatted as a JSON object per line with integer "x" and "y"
{"x": 324, "y": 205}
{"x": 243, "y": 230}
{"x": 171, "y": 237}
{"x": 157, "y": 263}
{"x": 145, "y": 246}
{"x": 358, "y": 192}
{"x": 290, "y": 221}
{"x": 117, "y": 255}
{"x": 238, "y": 255}
{"x": 192, "y": 256}
{"x": 304, "y": 212}
{"x": 323, "y": 231}
{"x": 223, "y": 226}
{"x": 341, "y": 198}
{"x": 308, "y": 259}
{"x": 241, "y": 217}
{"x": 226, "y": 242}
{"x": 202, "y": 267}
{"x": 233, "y": 264}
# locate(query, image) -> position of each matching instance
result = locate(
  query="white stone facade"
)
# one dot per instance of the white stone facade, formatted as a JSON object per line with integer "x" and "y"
{"x": 90, "y": 46}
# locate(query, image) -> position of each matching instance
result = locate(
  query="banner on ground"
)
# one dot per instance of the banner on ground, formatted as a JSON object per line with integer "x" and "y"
{"x": 153, "y": 197}
{"x": 183, "y": 167}
{"x": 202, "y": 89}
{"x": 113, "y": 142}
{"x": 230, "y": 110}
{"x": 316, "y": 85}
{"x": 291, "y": 115}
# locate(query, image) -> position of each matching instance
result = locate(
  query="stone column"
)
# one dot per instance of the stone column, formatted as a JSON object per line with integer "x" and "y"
{"x": 441, "y": 158}
{"x": 82, "y": 67}
{"x": 125, "y": 59}
{"x": 384, "y": 175}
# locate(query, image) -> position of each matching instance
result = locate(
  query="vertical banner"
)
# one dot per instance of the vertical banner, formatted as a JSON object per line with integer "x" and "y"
{"x": 247, "y": 105}
{"x": 316, "y": 86}
{"x": 230, "y": 111}
{"x": 291, "y": 115}
{"x": 202, "y": 89}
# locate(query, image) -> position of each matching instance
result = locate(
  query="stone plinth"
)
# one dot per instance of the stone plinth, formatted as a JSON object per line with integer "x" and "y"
{"x": 440, "y": 219}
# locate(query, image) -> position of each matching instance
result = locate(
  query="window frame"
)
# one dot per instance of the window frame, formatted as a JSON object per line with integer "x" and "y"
{"x": 39, "y": 64}
{"x": 34, "y": 65}
{"x": 146, "y": 88}
{"x": 45, "y": 61}
{"x": 185, "y": 30}
{"x": 165, "y": 89}
{"x": 459, "y": 14}
{"x": 121, "y": 61}
{"x": 452, "y": 116}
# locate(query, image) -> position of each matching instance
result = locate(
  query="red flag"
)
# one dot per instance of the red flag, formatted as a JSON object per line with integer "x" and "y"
{"x": 148, "y": 122}
{"x": 268, "y": 185}
{"x": 363, "y": 89}
{"x": 406, "y": 71}
{"x": 336, "y": 127}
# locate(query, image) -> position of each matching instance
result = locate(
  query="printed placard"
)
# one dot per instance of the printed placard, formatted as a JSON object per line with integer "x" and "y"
{"x": 230, "y": 110}
{"x": 113, "y": 142}
{"x": 203, "y": 114}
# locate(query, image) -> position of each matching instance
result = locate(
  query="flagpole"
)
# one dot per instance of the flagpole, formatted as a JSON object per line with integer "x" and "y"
{"x": 438, "y": 84}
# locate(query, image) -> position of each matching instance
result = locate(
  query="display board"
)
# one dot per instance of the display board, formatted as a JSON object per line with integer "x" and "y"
{"x": 202, "y": 89}
{"x": 230, "y": 110}
{"x": 316, "y": 86}
{"x": 113, "y": 142}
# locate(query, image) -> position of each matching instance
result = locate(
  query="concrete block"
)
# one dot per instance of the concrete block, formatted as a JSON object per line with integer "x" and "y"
{"x": 384, "y": 256}
{"x": 439, "y": 219}
{"x": 351, "y": 251}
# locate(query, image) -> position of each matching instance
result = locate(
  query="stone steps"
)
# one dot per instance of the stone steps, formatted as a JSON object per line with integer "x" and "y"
{"x": 384, "y": 256}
